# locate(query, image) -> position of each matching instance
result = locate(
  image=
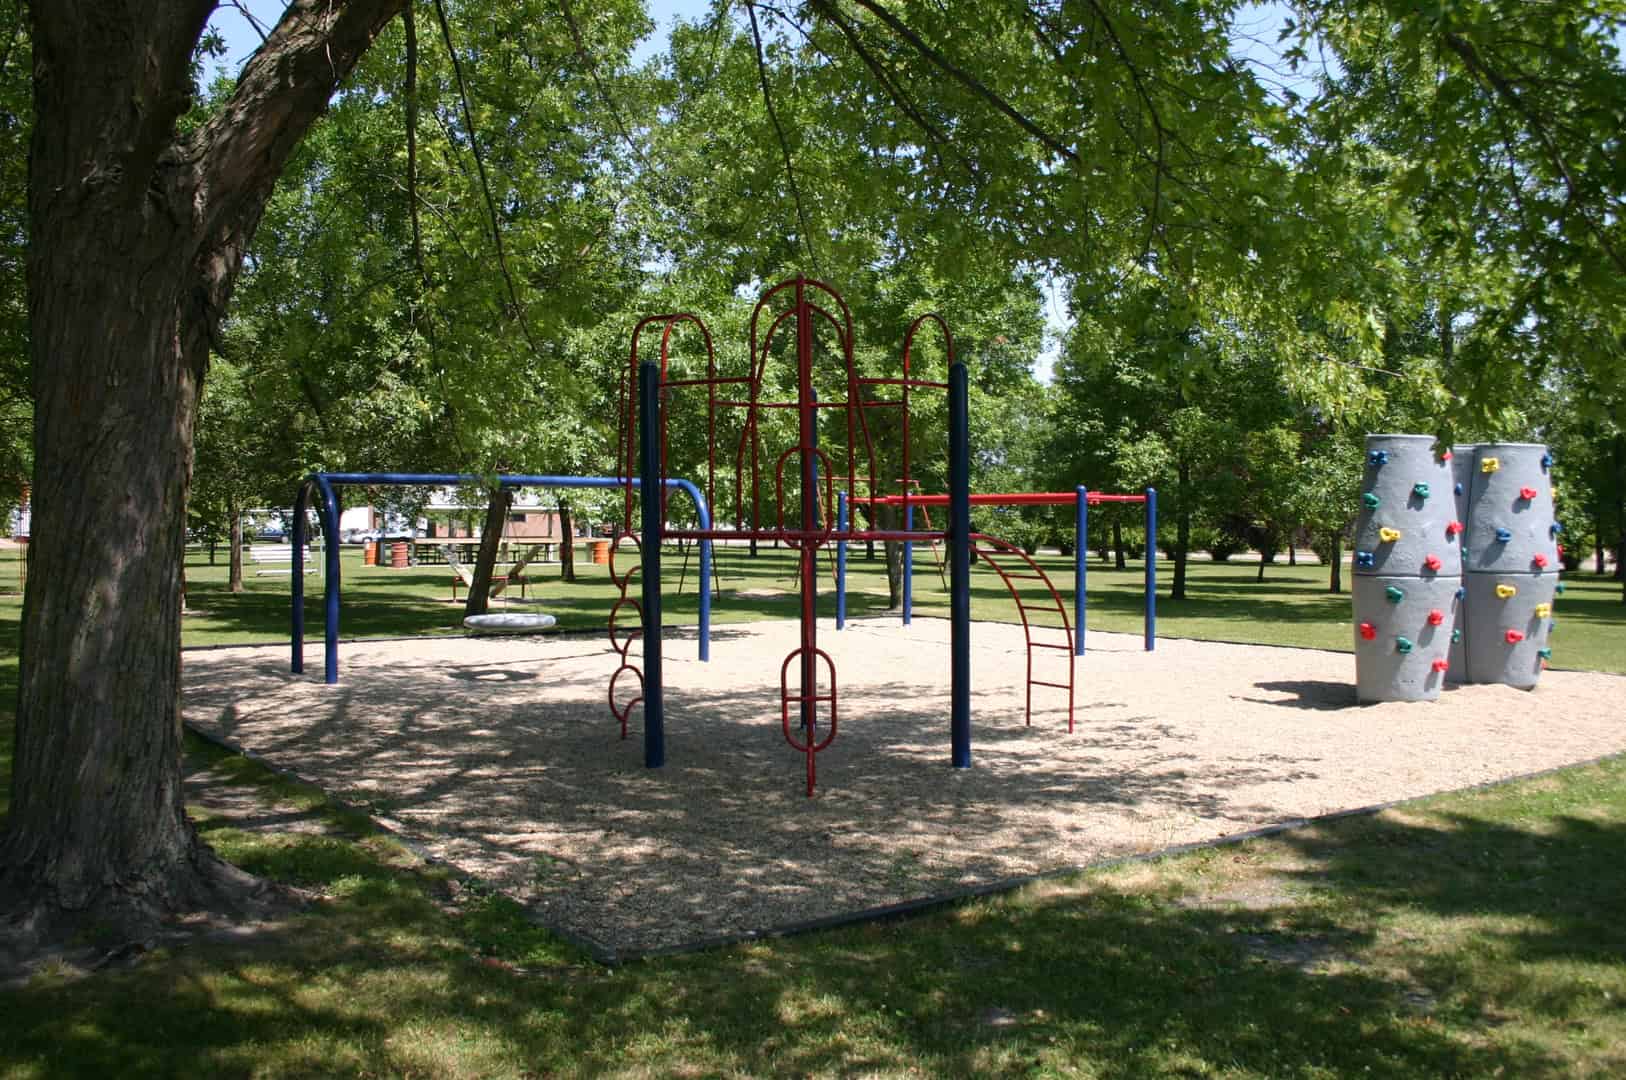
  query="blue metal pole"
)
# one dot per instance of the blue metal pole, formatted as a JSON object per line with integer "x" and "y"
{"x": 327, "y": 511}
{"x": 1151, "y": 569}
{"x": 908, "y": 567}
{"x": 841, "y": 561}
{"x": 649, "y": 403}
{"x": 959, "y": 525}
{"x": 1081, "y": 536}
{"x": 296, "y": 629}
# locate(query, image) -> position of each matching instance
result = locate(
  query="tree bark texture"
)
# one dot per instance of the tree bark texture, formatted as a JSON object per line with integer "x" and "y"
{"x": 234, "y": 572}
{"x": 1182, "y": 533}
{"x": 567, "y": 543}
{"x": 485, "y": 563}
{"x": 137, "y": 233}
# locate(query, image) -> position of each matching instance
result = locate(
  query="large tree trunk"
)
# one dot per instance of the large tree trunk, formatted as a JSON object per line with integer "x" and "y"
{"x": 234, "y": 574}
{"x": 1182, "y": 533}
{"x": 1119, "y": 561}
{"x": 479, "y": 599}
{"x": 567, "y": 543}
{"x": 136, "y": 235}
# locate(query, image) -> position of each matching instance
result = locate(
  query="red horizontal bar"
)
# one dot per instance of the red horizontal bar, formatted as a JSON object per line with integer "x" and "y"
{"x": 715, "y": 381}
{"x": 1018, "y": 498}
{"x": 904, "y": 382}
{"x": 851, "y": 536}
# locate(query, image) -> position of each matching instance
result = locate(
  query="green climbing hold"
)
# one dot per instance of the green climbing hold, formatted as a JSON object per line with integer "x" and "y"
{"x": 1420, "y": 490}
{"x": 1394, "y": 595}
{"x": 1371, "y": 500}
{"x": 1403, "y": 644}
{"x": 1456, "y": 635}
{"x": 1545, "y": 654}
{"x": 1559, "y": 588}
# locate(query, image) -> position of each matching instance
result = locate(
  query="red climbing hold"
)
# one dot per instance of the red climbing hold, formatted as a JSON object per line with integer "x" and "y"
{"x": 1514, "y": 636}
{"x": 1527, "y": 493}
{"x": 1440, "y": 665}
{"x": 1452, "y": 528}
{"x": 1368, "y": 631}
{"x": 1436, "y": 617}
{"x": 1540, "y": 560}
{"x": 1432, "y": 562}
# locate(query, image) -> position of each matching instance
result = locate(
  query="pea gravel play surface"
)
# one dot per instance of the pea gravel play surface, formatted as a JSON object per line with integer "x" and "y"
{"x": 499, "y": 755}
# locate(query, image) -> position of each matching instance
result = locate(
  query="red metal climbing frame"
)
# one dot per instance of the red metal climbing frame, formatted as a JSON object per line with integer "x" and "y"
{"x": 1012, "y": 564}
{"x": 808, "y": 322}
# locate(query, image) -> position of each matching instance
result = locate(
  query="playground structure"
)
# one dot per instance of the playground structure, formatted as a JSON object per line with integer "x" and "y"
{"x": 792, "y": 316}
{"x": 323, "y": 486}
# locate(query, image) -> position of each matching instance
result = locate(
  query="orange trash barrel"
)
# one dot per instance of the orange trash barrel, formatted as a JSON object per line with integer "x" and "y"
{"x": 601, "y": 551}
{"x": 398, "y": 555}
{"x": 369, "y": 555}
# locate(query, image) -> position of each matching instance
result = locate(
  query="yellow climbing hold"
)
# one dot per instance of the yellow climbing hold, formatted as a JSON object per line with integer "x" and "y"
{"x": 1543, "y": 610}
{"x": 1489, "y": 464}
{"x": 1505, "y": 591}
{"x": 1388, "y": 536}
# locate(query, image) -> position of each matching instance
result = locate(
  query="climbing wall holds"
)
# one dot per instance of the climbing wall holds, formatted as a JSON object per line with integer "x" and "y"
{"x": 1539, "y": 561}
{"x": 1432, "y": 562}
{"x": 1456, "y": 635}
{"x": 1445, "y": 455}
{"x": 1507, "y": 592}
{"x": 1546, "y": 462}
{"x": 1504, "y": 535}
{"x": 1456, "y": 489}
{"x": 1543, "y": 610}
{"x": 1377, "y": 457}
{"x": 1440, "y": 665}
{"x": 1436, "y": 617}
{"x": 1420, "y": 490}
{"x": 1513, "y": 637}
{"x": 1394, "y": 594}
{"x": 1368, "y": 631}
{"x": 1388, "y": 535}
{"x": 1371, "y": 501}
{"x": 1559, "y": 588}
{"x": 1452, "y": 528}
{"x": 1555, "y": 528}
{"x": 1528, "y": 493}
{"x": 1462, "y": 591}
{"x": 1489, "y": 464}
{"x": 1364, "y": 558}
{"x": 1402, "y": 645}
{"x": 1545, "y": 653}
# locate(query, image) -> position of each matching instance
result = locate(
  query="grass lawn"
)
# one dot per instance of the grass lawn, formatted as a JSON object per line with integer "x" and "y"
{"x": 1475, "y": 935}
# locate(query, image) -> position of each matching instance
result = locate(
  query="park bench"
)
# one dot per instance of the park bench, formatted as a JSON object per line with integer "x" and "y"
{"x": 278, "y": 556}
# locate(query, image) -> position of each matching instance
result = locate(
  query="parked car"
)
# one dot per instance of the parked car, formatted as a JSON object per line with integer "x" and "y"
{"x": 270, "y": 532}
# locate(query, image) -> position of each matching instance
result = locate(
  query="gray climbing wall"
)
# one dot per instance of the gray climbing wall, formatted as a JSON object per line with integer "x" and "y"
{"x": 1408, "y": 566}
{"x": 1510, "y": 564}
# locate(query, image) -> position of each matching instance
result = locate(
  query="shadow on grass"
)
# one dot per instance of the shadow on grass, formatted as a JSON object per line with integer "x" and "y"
{"x": 1107, "y": 979}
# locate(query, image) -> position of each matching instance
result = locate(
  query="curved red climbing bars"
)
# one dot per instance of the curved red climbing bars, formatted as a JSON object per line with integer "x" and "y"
{"x": 991, "y": 549}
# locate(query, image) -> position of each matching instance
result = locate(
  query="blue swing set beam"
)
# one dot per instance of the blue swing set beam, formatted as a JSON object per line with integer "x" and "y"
{"x": 327, "y": 512}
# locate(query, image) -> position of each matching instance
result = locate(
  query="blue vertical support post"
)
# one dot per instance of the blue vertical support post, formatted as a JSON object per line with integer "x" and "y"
{"x": 959, "y": 568}
{"x": 841, "y": 561}
{"x": 329, "y": 513}
{"x": 649, "y": 461}
{"x": 1081, "y": 537}
{"x": 1151, "y": 569}
{"x": 908, "y": 567}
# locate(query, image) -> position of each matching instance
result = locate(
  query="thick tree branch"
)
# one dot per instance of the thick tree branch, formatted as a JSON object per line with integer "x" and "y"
{"x": 784, "y": 147}
{"x": 410, "y": 92}
{"x": 966, "y": 79}
{"x": 1505, "y": 90}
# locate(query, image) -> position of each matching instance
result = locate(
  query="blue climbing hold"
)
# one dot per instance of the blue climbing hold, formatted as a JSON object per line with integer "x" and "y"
{"x": 1364, "y": 558}
{"x": 1503, "y": 536}
{"x": 1377, "y": 457}
{"x": 1456, "y": 489}
{"x": 1546, "y": 462}
{"x": 1555, "y": 528}
{"x": 1461, "y": 592}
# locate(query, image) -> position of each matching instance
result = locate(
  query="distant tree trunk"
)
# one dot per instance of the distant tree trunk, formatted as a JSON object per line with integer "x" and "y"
{"x": 234, "y": 575}
{"x": 1293, "y": 547}
{"x": 485, "y": 563}
{"x": 1118, "y": 559}
{"x": 1597, "y": 539}
{"x": 1618, "y": 455}
{"x": 1335, "y": 582}
{"x": 1182, "y": 532}
{"x": 567, "y": 543}
{"x": 887, "y": 518}
{"x": 214, "y": 542}
{"x": 136, "y": 236}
